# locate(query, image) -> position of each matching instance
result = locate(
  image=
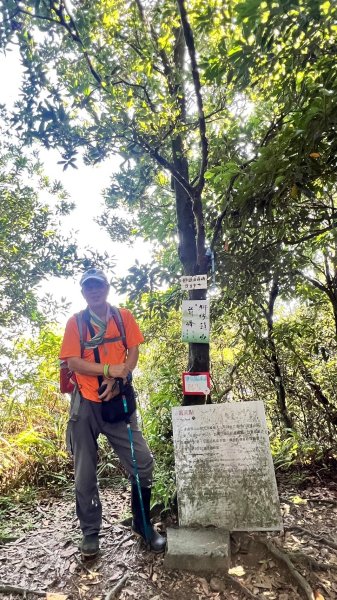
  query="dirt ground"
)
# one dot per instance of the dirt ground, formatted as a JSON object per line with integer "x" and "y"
{"x": 39, "y": 551}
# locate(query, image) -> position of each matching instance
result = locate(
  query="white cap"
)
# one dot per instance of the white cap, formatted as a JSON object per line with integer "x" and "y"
{"x": 97, "y": 274}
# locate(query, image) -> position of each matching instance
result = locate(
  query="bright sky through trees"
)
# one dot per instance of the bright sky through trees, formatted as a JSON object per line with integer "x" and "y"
{"x": 84, "y": 186}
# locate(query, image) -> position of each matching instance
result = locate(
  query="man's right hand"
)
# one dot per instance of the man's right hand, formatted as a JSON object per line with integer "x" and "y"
{"x": 121, "y": 371}
{"x": 111, "y": 390}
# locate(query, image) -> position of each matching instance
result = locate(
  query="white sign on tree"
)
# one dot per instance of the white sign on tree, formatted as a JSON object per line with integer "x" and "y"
{"x": 195, "y": 321}
{"x": 194, "y": 282}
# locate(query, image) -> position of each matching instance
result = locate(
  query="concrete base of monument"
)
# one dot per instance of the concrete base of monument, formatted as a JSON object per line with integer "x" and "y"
{"x": 200, "y": 550}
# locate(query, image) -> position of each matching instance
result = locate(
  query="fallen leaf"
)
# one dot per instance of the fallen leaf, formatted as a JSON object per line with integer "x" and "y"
{"x": 93, "y": 575}
{"x": 298, "y": 541}
{"x": 72, "y": 567}
{"x": 238, "y": 571}
{"x": 56, "y": 596}
{"x": 315, "y": 155}
{"x": 204, "y": 585}
{"x": 117, "y": 575}
{"x": 69, "y": 552}
{"x": 262, "y": 585}
{"x": 45, "y": 568}
{"x": 318, "y": 596}
{"x": 298, "y": 500}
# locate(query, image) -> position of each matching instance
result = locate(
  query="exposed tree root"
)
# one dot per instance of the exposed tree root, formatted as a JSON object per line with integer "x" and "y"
{"x": 123, "y": 541}
{"x": 319, "y": 538}
{"x": 321, "y": 585}
{"x": 242, "y": 588}
{"x": 112, "y": 594}
{"x": 314, "y": 500}
{"x": 297, "y": 577}
{"x": 82, "y": 565}
{"x": 312, "y": 562}
{"x": 322, "y": 501}
{"x": 12, "y": 589}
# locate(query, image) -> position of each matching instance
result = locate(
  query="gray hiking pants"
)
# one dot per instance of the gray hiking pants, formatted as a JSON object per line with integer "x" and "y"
{"x": 83, "y": 438}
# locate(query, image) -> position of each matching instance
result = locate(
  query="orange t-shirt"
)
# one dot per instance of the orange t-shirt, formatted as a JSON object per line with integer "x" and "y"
{"x": 113, "y": 353}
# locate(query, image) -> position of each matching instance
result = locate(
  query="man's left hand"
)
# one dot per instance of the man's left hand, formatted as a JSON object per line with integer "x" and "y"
{"x": 112, "y": 390}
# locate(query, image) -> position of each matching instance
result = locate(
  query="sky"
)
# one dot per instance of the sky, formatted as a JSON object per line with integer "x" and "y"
{"x": 84, "y": 186}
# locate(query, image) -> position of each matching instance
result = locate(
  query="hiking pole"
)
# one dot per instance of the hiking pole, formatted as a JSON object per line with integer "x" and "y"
{"x": 134, "y": 462}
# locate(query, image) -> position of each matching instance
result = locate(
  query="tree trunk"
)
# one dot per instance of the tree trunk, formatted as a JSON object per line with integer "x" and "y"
{"x": 277, "y": 377}
{"x": 332, "y": 297}
{"x": 192, "y": 258}
{"x": 198, "y": 355}
{"x": 185, "y": 218}
{"x": 319, "y": 394}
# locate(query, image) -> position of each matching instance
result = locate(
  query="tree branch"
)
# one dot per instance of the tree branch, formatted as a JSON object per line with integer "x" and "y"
{"x": 154, "y": 38}
{"x": 136, "y": 85}
{"x": 309, "y": 236}
{"x": 189, "y": 39}
{"x": 140, "y": 10}
{"x": 74, "y": 34}
{"x": 73, "y": 31}
{"x": 164, "y": 163}
{"x": 224, "y": 212}
{"x": 13, "y": 589}
{"x": 77, "y": 38}
{"x": 314, "y": 282}
{"x": 35, "y": 16}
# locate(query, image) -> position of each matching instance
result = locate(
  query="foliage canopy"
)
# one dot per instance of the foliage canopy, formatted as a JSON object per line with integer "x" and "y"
{"x": 225, "y": 116}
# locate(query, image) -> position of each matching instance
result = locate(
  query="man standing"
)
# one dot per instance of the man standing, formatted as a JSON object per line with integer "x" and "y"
{"x": 116, "y": 361}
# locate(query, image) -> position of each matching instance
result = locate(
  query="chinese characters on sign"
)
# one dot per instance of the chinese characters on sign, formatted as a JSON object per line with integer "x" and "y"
{"x": 195, "y": 322}
{"x": 224, "y": 470}
{"x": 194, "y": 282}
{"x": 196, "y": 383}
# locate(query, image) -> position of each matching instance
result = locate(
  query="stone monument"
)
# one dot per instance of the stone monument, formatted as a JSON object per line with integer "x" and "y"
{"x": 224, "y": 472}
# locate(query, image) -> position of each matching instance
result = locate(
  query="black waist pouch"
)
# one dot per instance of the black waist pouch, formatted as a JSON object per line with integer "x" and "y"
{"x": 113, "y": 410}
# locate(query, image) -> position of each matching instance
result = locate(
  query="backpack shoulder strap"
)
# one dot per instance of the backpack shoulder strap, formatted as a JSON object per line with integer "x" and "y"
{"x": 82, "y": 328}
{"x": 116, "y": 315}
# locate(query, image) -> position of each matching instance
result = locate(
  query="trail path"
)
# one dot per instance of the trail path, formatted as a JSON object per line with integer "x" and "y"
{"x": 41, "y": 554}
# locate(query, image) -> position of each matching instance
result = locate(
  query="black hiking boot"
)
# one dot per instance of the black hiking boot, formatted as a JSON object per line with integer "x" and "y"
{"x": 152, "y": 538}
{"x": 90, "y": 545}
